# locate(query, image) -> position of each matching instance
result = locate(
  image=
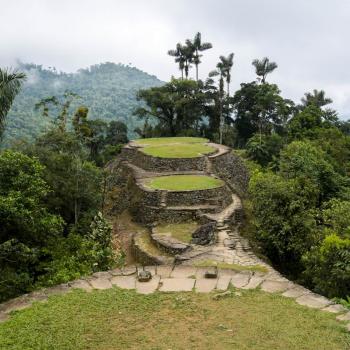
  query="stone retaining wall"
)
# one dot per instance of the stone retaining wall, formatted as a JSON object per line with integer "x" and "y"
{"x": 150, "y": 163}
{"x": 230, "y": 168}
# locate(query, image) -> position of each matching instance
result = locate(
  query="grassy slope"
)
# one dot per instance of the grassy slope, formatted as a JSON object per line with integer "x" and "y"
{"x": 182, "y": 232}
{"x": 184, "y": 182}
{"x": 119, "y": 319}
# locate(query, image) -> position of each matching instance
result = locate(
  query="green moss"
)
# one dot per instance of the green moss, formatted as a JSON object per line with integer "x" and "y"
{"x": 121, "y": 319}
{"x": 184, "y": 182}
{"x": 182, "y": 232}
{"x": 210, "y": 263}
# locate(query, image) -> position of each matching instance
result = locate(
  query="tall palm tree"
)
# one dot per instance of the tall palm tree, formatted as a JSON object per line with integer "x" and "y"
{"x": 263, "y": 68}
{"x": 227, "y": 63}
{"x": 198, "y": 46}
{"x": 317, "y": 98}
{"x": 179, "y": 57}
{"x": 10, "y": 85}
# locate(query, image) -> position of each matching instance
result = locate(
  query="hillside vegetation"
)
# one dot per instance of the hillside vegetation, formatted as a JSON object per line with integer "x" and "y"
{"x": 108, "y": 90}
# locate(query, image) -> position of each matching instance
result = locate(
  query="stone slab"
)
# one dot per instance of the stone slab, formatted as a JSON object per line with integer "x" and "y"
{"x": 240, "y": 279}
{"x": 81, "y": 284}
{"x": 313, "y": 300}
{"x": 59, "y": 289}
{"x": 116, "y": 272}
{"x": 164, "y": 271}
{"x": 128, "y": 270}
{"x": 205, "y": 285}
{"x": 275, "y": 286}
{"x": 254, "y": 282}
{"x": 200, "y": 272}
{"x": 102, "y": 274}
{"x": 295, "y": 292}
{"x": 227, "y": 272}
{"x": 100, "y": 283}
{"x": 181, "y": 271}
{"x": 223, "y": 282}
{"x": 125, "y": 282}
{"x": 344, "y": 317}
{"x": 335, "y": 308}
{"x": 177, "y": 284}
{"x": 148, "y": 287}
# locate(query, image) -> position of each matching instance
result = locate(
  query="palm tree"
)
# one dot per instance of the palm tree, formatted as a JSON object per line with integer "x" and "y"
{"x": 197, "y": 46}
{"x": 179, "y": 57}
{"x": 10, "y": 85}
{"x": 317, "y": 98}
{"x": 227, "y": 63}
{"x": 263, "y": 68}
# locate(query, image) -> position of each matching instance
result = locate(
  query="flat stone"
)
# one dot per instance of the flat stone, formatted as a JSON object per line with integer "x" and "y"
{"x": 177, "y": 284}
{"x": 164, "y": 271}
{"x": 16, "y": 304}
{"x": 227, "y": 272}
{"x": 3, "y": 317}
{"x": 295, "y": 292}
{"x": 59, "y": 289}
{"x": 100, "y": 283}
{"x": 223, "y": 282}
{"x": 128, "y": 270}
{"x": 37, "y": 296}
{"x": 335, "y": 308}
{"x": 254, "y": 282}
{"x": 115, "y": 272}
{"x": 182, "y": 271}
{"x": 81, "y": 284}
{"x": 148, "y": 287}
{"x": 274, "y": 286}
{"x": 125, "y": 282}
{"x": 240, "y": 279}
{"x": 344, "y": 317}
{"x": 200, "y": 272}
{"x": 205, "y": 285}
{"x": 151, "y": 269}
{"x": 313, "y": 300}
{"x": 102, "y": 274}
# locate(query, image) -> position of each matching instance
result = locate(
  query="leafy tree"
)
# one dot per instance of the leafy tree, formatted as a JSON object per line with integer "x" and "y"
{"x": 10, "y": 85}
{"x": 62, "y": 106}
{"x": 177, "y": 106}
{"x": 260, "y": 108}
{"x": 26, "y": 224}
{"x": 263, "y": 67}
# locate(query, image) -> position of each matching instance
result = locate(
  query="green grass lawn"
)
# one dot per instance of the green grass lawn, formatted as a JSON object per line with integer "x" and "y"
{"x": 182, "y": 232}
{"x": 175, "y": 147}
{"x": 119, "y": 319}
{"x": 157, "y": 141}
{"x": 184, "y": 182}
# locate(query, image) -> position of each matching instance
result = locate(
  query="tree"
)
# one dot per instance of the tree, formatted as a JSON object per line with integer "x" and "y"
{"x": 198, "y": 46}
{"x": 263, "y": 67}
{"x": 177, "y": 106}
{"x": 260, "y": 108}
{"x": 179, "y": 57}
{"x": 62, "y": 106}
{"x": 316, "y": 98}
{"x": 26, "y": 224}
{"x": 10, "y": 85}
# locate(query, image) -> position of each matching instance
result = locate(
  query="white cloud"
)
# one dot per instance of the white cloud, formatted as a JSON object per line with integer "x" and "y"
{"x": 308, "y": 39}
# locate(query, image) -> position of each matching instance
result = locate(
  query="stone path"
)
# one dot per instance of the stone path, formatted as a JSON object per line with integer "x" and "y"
{"x": 184, "y": 279}
{"x": 230, "y": 246}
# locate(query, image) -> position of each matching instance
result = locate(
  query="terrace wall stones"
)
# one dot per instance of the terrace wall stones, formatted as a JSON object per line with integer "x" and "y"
{"x": 150, "y": 163}
{"x": 230, "y": 168}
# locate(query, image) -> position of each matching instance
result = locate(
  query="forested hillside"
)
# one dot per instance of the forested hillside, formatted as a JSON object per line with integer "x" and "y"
{"x": 108, "y": 90}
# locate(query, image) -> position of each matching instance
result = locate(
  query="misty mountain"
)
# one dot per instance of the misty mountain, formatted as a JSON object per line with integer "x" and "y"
{"x": 107, "y": 89}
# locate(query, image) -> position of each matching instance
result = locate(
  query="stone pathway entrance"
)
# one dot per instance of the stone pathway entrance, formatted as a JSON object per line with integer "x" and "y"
{"x": 184, "y": 279}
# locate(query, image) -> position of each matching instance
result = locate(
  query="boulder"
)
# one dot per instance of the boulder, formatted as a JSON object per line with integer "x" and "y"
{"x": 204, "y": 235}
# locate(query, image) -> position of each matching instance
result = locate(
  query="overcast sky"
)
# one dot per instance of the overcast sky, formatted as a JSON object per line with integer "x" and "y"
{"x": 309, "y": 39}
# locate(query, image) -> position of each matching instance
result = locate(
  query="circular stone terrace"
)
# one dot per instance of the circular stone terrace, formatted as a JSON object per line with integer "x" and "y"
{"x": 183, "y": 182}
